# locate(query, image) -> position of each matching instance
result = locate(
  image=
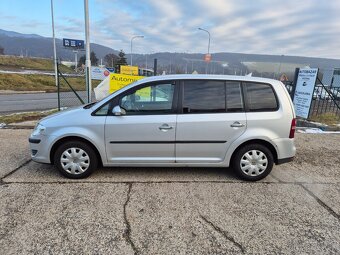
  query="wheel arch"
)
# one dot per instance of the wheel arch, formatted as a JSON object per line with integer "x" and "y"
{"x": 256, "y": 141}
{"x": 74, "y": 138}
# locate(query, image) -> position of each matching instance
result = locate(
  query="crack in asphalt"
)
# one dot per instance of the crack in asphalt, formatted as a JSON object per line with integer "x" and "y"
{"x": 275, "y": 178}
{"x": 127, "y": 231}
{"x": 2, "y": 182}
{"x": 158, "y": 182}
{"x": 224, "y": 233}
{"x": 318, "y": 200}
{"x": 323, "y": 204}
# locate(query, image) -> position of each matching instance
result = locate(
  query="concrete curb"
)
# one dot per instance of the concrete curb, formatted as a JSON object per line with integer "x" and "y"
{"x": 12, "y": 92}
{"x": 309, "y": 124}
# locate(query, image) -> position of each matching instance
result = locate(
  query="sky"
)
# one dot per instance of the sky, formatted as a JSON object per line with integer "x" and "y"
{"x": 290, "y": 27}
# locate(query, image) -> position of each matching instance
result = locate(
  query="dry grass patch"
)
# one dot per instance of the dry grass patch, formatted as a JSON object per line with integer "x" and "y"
{"x": 14, "y": 62}
{"x": 330, "y": 119}
{"x": 25, "y": 116}
{"x": 35, "y": 82}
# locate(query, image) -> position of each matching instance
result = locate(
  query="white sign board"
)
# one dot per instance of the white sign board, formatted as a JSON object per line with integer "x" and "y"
{"x": 304, "y": 91}
{"x": 99, "y": 73}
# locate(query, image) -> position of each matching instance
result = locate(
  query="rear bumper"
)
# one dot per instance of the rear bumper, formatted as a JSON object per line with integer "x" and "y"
{"x": 285, "y": 148}
{"x": 284, "y": 160}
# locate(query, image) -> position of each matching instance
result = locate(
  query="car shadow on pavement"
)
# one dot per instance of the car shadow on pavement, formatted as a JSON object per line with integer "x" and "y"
{"x": 35, "y": 172}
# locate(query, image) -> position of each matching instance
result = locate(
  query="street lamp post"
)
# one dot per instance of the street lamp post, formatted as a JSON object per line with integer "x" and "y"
{"x": 134, "y": 37}
{"x": 88, "y": 59}
{"x": 280, "y": 66}
{"x": 54, "y": 48}
{"x": 208, "y": 46}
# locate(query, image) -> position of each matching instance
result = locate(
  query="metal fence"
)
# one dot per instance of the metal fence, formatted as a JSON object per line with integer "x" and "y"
{"x": 326, "y": 95}
{"x": 71, "y": 95}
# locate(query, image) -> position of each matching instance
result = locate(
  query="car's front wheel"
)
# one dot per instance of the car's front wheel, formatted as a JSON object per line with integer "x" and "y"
{"x": 75, "y": 159}
{"x": 253, "y": 162}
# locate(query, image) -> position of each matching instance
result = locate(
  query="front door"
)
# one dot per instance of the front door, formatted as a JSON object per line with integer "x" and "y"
{"x": 145, "y": 133}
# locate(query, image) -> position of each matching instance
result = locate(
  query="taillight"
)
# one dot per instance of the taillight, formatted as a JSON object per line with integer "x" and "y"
{"x": 292, "y": 128}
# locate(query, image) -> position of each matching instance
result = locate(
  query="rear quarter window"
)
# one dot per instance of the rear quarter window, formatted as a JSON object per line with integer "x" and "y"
{"x": 260, "y": 97}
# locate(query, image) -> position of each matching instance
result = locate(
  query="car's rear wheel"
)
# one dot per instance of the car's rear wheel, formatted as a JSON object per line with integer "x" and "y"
{"x": 253, "y": 162}
{"x": 75, "y": 159}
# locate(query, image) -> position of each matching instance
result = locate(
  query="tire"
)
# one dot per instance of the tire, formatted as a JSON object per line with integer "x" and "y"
{"x": 75, "y": 159}
{"x": 253, "y": 168}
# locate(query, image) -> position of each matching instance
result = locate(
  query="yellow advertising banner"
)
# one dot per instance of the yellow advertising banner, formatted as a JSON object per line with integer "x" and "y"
{"x": 118, "y": 81}
{"x": 129, "y": 70}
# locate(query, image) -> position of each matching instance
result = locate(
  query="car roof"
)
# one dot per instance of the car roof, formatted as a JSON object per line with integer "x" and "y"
{"x": 205, "y": 77}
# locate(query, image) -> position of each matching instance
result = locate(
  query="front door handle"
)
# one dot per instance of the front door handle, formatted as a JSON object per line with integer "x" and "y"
{"x": 165, "y": 127}
{"x": 237, "y": 124}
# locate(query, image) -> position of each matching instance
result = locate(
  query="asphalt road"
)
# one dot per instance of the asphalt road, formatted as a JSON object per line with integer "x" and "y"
{"x": 10, "y": 103}
{"x": 294, "y": 210}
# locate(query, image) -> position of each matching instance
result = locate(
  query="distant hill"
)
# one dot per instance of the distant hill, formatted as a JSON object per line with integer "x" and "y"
{"x": 34, "y": 45}
{"x": 229, "y": 63}
{"x": 233, "y": 63}
{"x": 16, "y": 34}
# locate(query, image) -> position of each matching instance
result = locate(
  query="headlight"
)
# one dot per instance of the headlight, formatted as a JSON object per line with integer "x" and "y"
{"x": 39, "y": 129}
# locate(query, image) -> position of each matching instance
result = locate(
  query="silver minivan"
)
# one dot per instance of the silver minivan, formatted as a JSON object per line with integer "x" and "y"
{"x": 176, "y": 120}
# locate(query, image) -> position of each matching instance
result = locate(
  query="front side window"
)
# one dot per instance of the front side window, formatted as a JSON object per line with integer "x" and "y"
{"x": 153, "y": 99}
{"x": 204, "y": 96}
{"x": 260, "y": 97}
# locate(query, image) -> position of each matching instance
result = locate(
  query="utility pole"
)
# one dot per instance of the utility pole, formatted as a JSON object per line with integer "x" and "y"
{"x": 75, "y": 60}
{"x": 54, "y": 48}
{"x": 87, "y": 43}
{"x": 133, "y": 37}
{"x": 206, "y": 68}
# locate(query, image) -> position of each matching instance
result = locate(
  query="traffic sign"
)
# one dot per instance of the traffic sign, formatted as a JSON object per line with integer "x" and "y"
{"x": 73, "y": 43}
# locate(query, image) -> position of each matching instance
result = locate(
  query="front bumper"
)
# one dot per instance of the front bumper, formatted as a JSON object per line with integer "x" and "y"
{"x": 40, "y": 147}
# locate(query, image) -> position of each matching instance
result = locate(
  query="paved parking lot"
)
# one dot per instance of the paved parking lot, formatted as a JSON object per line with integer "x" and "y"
{"x": 171, "y": 211}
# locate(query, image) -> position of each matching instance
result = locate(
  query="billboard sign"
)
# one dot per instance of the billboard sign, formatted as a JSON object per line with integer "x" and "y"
{"x": 304, "y": 91}
{"x": 129, "y": 70}
{"x": 118, "y": 81}
{"x": 73, "y": 43}
{"x": 99, "y": 73}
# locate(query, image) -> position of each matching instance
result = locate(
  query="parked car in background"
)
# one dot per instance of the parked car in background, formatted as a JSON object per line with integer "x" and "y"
{"x": 177, "y": 120}
{"x": 325, "y": 93}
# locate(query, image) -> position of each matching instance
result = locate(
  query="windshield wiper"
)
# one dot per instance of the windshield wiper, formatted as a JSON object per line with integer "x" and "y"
{"x": 87, "y": 106}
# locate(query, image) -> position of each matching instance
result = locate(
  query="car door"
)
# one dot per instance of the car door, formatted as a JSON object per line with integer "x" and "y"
{"x": 145, "y": 132}
{"x": 212, "y": 117}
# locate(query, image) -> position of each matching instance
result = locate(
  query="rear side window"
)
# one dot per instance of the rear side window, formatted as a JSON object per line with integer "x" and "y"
{"x": 204, "y": 96}
{"x": 260, "y": 97}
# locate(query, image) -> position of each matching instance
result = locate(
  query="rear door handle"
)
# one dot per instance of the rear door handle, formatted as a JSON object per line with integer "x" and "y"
{"x": 237, "y": 124}
{"x": 165, "y": 127}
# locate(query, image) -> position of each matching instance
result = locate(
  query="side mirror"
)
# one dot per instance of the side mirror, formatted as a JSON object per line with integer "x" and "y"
{"x": 117, "y": 111}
